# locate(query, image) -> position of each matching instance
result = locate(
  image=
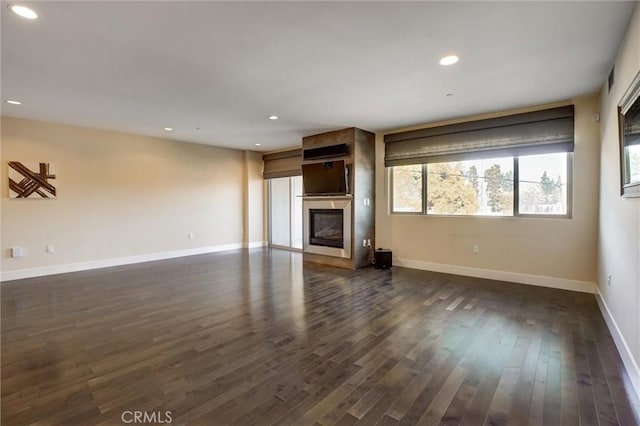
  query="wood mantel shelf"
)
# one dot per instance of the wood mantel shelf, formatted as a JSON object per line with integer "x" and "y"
{"x": 326, "y": 197}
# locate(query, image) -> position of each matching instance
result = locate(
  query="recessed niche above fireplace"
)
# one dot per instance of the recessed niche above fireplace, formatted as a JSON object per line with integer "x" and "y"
{"x": 331, "y": 151}
{"x": 336, "y": 222}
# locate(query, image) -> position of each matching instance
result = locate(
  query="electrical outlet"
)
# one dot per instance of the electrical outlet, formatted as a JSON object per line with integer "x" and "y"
{"x": 475, "y": 249}
{"x": 51, "y": 249}
{"x": 368, "y": 242}
{"x": 609, "y": 280}
{"x": 364, "y": 243}
{"x": 190, "y": 235}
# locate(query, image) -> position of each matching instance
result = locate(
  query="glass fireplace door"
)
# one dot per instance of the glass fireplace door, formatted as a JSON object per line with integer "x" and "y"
{"x": 326, "y": 227}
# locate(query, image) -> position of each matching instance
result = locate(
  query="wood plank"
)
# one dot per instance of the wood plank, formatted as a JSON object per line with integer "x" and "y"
{"x": 253, "y": 337}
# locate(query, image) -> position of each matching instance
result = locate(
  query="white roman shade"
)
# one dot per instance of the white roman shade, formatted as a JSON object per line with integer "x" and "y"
{"x": 536, "y": 132}
{"x": 282, "y": 164}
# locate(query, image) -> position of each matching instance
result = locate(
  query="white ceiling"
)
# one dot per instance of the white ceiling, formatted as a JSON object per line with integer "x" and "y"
{"x": 223, "y": 67}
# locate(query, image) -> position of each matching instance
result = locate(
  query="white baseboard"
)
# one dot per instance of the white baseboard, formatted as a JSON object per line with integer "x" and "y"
{"x": 117, "y": 261}
{"x": 629, "y": 362}
{"x": 255, "y": 244}
{"x": 539, "y": 280}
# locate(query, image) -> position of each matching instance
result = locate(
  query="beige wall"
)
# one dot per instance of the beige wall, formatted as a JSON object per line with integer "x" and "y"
{"x": 254, "y": 225}
{"x": 547, "y": 251}
{"x": 619, "y": 236}
{"x": 123, "y": 195}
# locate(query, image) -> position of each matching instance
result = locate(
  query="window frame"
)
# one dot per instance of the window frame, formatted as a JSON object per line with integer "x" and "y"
{"x": 516, "y": 195}
{"x": 423, "y": 195}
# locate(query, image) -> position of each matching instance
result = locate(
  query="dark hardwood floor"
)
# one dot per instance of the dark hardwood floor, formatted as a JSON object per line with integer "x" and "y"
{"x": 252, "y": 337}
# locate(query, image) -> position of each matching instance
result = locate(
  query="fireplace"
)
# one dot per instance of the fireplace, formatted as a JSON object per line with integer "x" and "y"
{"x": 338, "y": 176}
{"x": 327, "y": 226}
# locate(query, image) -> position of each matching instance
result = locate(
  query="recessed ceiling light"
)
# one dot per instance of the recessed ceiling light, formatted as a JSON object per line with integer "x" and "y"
{"x": 9, "y": 101}
{"x": 449, "y": 60}
{"x": 23, "y": 11}
{"x": 258, "y": 144}
{"x": 273, "y": 117}
{"x": 168, "y": 129}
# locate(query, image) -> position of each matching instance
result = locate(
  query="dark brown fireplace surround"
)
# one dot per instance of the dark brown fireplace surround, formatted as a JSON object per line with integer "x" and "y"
{"x": 337, "y": 226}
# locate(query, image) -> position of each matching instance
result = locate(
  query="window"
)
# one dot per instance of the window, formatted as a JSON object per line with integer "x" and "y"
{"x": 514, "y": 165}
{"x": 505, "y": 186}
{"x": 475, "y": 187}
{"x": 283, "y": 170}
{"x": 543, "y": 184}
{"x": 285, "y": 212}
{"x": 407, "y": 193}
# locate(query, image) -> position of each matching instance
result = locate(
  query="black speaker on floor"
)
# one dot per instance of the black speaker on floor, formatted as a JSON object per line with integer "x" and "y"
{"x": 382, "y": 259}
